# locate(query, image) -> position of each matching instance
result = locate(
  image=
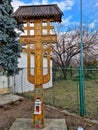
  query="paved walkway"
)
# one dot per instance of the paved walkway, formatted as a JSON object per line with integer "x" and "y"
{"x": 50, "y": 124}
{"x": 7, "y": 98}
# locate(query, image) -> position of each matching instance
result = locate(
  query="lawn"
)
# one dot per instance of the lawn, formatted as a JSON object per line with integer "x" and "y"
{"x": 65, "y": 95}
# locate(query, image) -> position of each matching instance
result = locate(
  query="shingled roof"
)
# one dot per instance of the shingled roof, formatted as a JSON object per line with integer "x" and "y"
{"x": 38, "y": 12}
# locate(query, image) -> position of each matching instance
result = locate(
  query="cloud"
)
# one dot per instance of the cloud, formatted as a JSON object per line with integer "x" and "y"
{"x": 96, "y": 5}
{"x": 35, "y": 2}
{"x": 44, "y": 1}
{"x": 17, "y": 3}
{"x": 92, "y": 25}
{"x": 65, "y": 4}
{"x": 66, "y": 22}
{"x": 38, "y": 2}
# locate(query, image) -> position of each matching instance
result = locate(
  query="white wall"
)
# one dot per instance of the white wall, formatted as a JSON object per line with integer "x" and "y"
{"x": 23, "y": 61}
{"x": 3, "y": 82}
{"x": 19, "y": 83}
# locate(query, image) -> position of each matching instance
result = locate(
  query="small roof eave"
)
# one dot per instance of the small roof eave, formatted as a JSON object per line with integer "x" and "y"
{"x": 38, "y": 12}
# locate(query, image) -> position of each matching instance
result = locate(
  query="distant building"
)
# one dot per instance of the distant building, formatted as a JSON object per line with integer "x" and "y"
{"x": 19, "y": 83}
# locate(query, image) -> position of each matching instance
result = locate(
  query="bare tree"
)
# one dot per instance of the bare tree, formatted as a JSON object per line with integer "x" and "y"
{"x": 67, "y": 49}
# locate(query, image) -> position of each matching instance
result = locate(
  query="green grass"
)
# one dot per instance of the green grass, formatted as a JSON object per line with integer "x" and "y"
{"x": 65, "y": 95}
{"x": 91, "y": 98}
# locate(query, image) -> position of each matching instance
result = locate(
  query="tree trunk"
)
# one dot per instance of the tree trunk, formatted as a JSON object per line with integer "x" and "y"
{"x": 64, "y": 70}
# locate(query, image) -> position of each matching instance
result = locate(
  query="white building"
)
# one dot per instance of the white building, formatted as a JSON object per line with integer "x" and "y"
{"x": 19, "y": 82}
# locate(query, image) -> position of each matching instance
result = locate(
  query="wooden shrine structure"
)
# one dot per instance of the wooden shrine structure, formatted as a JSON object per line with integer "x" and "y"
{"x": 38, "y": 31}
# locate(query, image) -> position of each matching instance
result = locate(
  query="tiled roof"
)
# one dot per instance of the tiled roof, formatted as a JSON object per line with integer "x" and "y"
{"x": 38, "y": 11}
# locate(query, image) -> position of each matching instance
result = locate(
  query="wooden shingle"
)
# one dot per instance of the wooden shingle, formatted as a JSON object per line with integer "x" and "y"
{"x": 51, "y": 11}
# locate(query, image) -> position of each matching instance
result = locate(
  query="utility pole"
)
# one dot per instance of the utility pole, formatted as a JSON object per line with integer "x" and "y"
{"x": 81, "y": 75}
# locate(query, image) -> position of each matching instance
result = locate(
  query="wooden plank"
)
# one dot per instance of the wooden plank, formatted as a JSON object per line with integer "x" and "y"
{"x": 49, "y": 38}
{"x": 34, "y": 39}
{"x": 5, "y": 90}
{"x": 27, "y": 39}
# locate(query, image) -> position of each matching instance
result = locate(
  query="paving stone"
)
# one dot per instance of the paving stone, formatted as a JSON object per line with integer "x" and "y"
{"x": 50, "y": 124}
{"x": 7, "y": 98}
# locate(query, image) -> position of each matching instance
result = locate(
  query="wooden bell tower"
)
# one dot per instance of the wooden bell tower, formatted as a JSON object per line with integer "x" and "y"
{"x": 38, "y": 30}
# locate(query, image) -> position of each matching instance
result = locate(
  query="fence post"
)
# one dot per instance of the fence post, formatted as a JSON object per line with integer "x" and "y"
{"x": 81, "y": 92}
{"x": 81, "y": 78}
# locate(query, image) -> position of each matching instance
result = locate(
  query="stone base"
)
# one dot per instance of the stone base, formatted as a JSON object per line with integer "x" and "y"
{"x": 50, "y": 124}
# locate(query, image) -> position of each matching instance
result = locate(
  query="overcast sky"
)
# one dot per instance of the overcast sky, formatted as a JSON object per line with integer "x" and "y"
{"x": 71, "y": 10}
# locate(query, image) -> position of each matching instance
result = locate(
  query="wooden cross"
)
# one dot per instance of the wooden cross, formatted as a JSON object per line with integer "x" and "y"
{"x": 38, "y": 79}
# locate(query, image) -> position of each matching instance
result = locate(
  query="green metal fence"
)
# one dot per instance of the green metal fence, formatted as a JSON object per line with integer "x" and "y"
{"x": 65, "y": 91}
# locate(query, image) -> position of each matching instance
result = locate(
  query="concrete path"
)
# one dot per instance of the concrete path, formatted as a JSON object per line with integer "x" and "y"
{"x": 50, "y": 124}
{"x": 7, "y": 98}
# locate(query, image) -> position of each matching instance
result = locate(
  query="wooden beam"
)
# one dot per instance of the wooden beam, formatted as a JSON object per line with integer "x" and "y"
{"x": 33, "y": 39}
